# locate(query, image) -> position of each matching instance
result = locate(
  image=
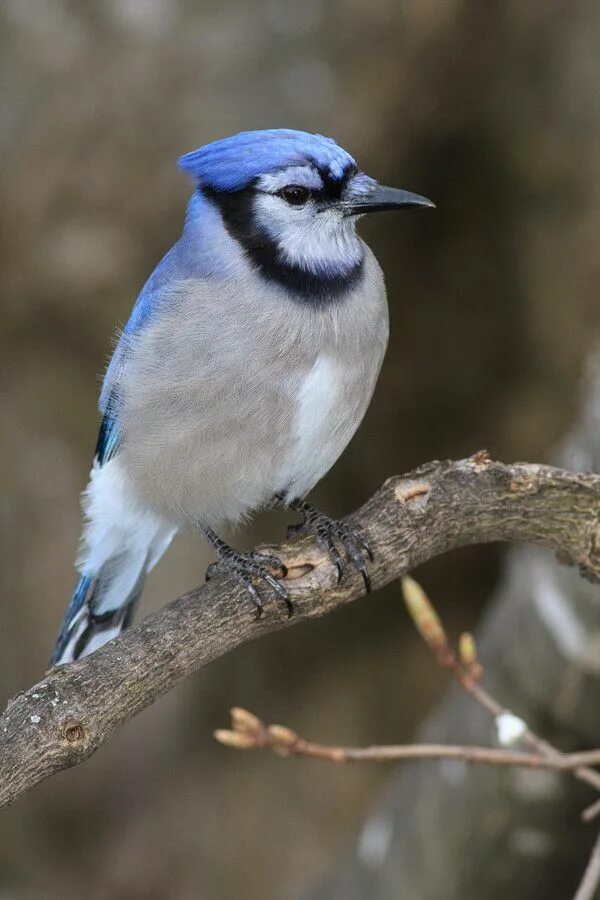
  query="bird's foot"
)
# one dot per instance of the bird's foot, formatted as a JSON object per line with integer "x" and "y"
{"x": 332, "y": 534}
{"x": 253, "y": 570}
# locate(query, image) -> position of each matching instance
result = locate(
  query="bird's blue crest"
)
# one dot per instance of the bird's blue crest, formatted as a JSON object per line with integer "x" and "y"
{"x": 232, "y": 163}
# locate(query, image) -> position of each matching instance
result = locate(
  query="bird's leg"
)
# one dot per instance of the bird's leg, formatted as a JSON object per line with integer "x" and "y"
{"x": 329, "y": 534}
{"x": 247, "y": 568}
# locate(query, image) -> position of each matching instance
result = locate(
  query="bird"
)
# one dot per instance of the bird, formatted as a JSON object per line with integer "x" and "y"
{"x": 246, "y": 366}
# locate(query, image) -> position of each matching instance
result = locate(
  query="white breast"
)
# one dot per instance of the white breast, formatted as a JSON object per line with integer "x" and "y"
{"x": 317, "y": 425}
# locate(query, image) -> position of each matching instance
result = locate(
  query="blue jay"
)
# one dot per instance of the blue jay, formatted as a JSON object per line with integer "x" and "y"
{"x": 247, "y": 364}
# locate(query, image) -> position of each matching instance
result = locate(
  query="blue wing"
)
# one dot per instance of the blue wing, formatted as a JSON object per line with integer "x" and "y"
{"x": 143, "y": 311}
{"x": 83, "y": 627}
{"x": 108, "y": 438}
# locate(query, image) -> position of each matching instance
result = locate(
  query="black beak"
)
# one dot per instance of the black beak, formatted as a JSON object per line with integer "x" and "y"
{"x": 380, "y": 198}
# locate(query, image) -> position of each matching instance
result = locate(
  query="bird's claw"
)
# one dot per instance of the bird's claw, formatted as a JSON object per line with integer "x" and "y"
{"x": 248, "y": 568}
{"x": 330, "y": 533}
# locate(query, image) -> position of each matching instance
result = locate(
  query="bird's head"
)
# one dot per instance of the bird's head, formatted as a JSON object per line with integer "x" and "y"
{"x": 292, "y": 200}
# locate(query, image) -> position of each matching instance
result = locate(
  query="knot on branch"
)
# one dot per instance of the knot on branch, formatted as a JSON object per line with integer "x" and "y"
{"x": 412, "y": 494}
{"x": 76, "y": 734}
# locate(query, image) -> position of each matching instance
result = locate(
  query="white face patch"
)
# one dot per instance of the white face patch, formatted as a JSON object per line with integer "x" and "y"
{"x": 310, "y": 236}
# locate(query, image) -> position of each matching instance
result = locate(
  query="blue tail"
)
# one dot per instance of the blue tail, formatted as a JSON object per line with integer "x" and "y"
{"x": 73, "y": 609}
{"x": 88, "y": 623}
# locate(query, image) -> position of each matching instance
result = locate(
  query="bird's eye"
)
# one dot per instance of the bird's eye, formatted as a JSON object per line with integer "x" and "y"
{"x": 295, "y": 194}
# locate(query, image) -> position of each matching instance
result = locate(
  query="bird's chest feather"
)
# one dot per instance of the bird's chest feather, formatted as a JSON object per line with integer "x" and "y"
{"x": 329, "y": 404}
{"x": 227, "y": 401}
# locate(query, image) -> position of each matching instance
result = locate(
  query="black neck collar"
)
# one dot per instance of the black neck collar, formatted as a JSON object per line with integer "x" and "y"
{"x": 313, "y": 288}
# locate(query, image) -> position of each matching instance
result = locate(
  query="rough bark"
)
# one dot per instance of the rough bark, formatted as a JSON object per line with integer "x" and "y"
{"x": 442, "y": 833}
{"x": 62, "y": 720}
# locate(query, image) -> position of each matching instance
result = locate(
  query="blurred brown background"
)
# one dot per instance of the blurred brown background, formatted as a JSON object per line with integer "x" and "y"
{"x": 491, "y": 109}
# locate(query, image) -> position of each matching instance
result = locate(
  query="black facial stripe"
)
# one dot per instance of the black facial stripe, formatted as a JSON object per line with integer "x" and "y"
{"x": 238, "y": 215}
{"x": 333, "y": 187}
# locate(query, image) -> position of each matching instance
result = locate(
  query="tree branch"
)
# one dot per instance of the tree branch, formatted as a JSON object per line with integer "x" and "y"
{"x": 62, "y": 720}
{"x": 250, "y": 733}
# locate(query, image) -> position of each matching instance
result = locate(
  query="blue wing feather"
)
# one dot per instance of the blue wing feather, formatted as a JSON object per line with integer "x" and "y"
{"x": 143, "y": 311}
{"x": 75, "y": 606}
{"x": 108, "y": 438}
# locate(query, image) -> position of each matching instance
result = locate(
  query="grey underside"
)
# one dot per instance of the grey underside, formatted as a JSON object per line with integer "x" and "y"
{"x": 212, "y": 421}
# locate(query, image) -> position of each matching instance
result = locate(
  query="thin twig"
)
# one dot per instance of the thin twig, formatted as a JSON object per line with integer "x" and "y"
{"x": 529, "y": 737}
{"x": 250, "y": 733}
{"x": 591, "y": 876}
{"x": 468, "y": 672}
